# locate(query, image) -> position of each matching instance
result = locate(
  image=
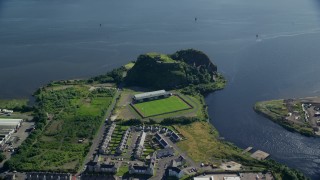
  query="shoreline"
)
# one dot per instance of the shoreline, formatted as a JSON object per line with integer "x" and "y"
{"x": 228, "y": 152}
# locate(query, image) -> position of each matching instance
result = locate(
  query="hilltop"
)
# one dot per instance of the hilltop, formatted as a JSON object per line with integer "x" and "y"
{"x": 178, "y": 70}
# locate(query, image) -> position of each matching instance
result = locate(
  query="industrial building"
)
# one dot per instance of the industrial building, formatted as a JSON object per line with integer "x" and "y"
{"x": 7, "y": 128}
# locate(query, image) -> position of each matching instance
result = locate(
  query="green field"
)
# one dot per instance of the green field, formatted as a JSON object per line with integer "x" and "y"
{"x": 76, "y": 113}
{"x": 161, "y": 106}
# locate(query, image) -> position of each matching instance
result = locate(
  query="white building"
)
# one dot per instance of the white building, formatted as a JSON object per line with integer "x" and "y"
{"x": 204, "y": 178}
{"x": 7, "y": 128}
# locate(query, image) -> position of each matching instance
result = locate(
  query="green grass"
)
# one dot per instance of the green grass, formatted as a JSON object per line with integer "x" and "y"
{"x": 161, "y": 106}
{"x": 129, "y": 65}
{"x": 162, "y": 57}
{"x": 276, "y": 109}
{"x": 12, "y": 103}
{"x": 122, "y": 170}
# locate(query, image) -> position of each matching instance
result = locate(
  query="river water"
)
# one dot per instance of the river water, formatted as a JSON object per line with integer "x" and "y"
{"x": 49, "y": 40}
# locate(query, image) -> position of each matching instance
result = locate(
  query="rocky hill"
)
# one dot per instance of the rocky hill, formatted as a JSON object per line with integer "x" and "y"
{"x": 178, "y": 70}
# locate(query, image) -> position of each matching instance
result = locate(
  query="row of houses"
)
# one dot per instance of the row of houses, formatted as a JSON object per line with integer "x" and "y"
{"x": 47, "y": 176}
{"x": 147, "y": 128}
{"x": 104, "y": 147}
{"x": 7, "y": 128}
{"x": 140, "y": 145}
{"x": 96, "y": 166}
{"x": 158, "y": 129}
{"x": 123, "y": 142}
{"x": 152, "y": 129}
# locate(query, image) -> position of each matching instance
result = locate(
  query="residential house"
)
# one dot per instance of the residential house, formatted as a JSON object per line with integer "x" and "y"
{"x": 155, "y": 129}
{"x": 175, "y": 171}
{"x": 161, "y": 140}
{"x": 180, "y": 161}
{"x": 175, "y": 137}
{"x": 169, "y": 151}
{"x": 164, "y": 130}
{"x": 108, "y": 168}
{"x": 144, "y": 169}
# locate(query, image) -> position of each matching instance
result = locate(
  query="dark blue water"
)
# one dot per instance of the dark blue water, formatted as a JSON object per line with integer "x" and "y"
{"x": 61, "y": 39}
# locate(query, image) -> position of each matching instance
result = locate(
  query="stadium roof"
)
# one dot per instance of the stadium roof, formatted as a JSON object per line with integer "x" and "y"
{"x": 149, "y": 94}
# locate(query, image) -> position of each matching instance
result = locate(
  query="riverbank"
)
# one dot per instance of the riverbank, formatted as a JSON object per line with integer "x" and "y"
{"x": 292, "y": 114}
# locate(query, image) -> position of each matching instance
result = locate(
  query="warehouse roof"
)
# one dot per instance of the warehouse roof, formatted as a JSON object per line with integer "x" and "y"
{"x": 10, "y": 120}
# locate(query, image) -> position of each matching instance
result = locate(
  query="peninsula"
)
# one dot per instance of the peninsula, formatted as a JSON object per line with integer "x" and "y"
{"x": 301, "y": 115}
{"x": 146, "y": 119}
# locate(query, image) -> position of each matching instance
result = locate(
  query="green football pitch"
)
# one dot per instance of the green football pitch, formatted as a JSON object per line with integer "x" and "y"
{"x": 161, "y": 106}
